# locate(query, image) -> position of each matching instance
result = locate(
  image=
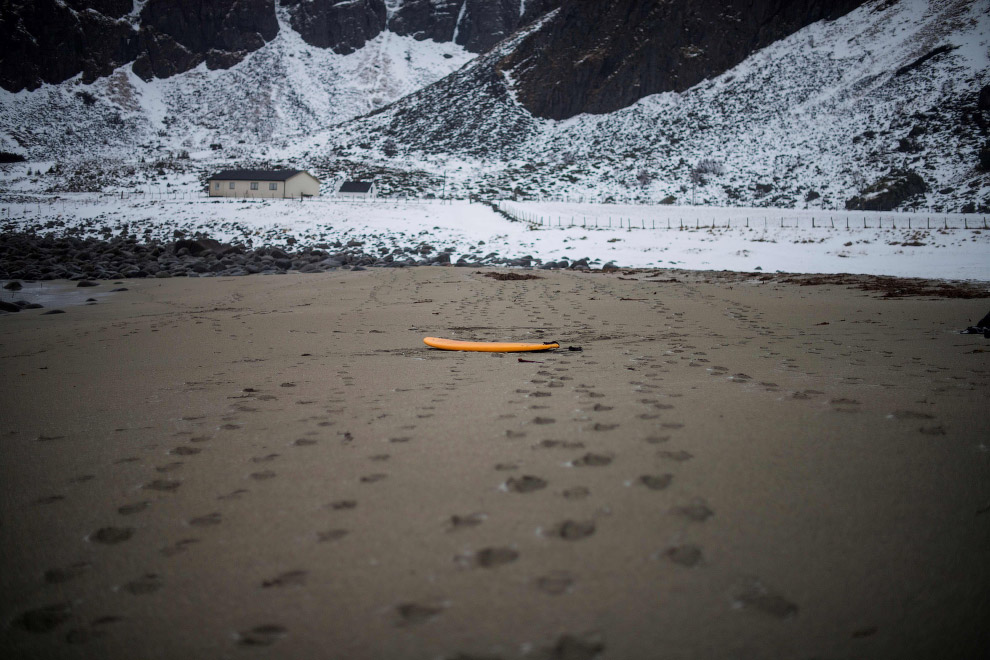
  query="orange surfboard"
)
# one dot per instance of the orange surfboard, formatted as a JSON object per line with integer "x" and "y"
{"x": 487, "y": 346}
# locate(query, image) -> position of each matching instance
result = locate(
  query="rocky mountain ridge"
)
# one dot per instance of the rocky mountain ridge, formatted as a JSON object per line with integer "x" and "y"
{"x": 51, "y": 41}
{"x": 641, "y": 48}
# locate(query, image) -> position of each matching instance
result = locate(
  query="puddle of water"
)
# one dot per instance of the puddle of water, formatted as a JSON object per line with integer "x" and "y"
{"x": 56, "y": 294}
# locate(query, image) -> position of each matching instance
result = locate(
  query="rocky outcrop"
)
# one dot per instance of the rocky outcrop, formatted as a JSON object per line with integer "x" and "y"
{"x": 50, "y": 41}
{"x": 47, "y": 41}
{"x": 341, "y": 27}
{"x": 610, "y": 53}
{"x": 178, "y": 35}
{"x": 889, "y": 193}
{"x": 475, "y": 24}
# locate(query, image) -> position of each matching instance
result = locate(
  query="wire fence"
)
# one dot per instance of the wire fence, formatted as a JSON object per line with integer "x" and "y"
{"x": 66, "y": 202}
{"x": 543, "y": 219}
{"x": 654, "y": 219}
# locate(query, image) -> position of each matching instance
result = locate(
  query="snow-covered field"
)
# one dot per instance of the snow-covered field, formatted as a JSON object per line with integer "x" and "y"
{"x": 787, "y": 240}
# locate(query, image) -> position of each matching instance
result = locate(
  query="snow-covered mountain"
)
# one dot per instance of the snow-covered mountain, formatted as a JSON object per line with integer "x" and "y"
{"x": 878, "y": 106}
{"x": 840, "y": 109}
{"x": 285, "y": 89}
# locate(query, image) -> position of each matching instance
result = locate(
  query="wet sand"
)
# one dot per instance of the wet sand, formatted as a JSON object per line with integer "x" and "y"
{"x": 278, "y": 467}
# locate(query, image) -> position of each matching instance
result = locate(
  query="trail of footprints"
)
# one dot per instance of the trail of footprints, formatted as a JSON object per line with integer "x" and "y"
{"x": 603, "y": 441}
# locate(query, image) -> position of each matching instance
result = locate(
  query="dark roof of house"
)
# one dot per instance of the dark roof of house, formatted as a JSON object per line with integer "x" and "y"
{"x": 356, "y": 186}
{"x": 255, "y": 175}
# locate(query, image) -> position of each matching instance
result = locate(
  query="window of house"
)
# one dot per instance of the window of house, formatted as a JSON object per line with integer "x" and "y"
{"x": 273, "y": 186}
{"x": 216, "y": 185}
{"x": 231, "y": 185}
{"x": 254, "y": 185}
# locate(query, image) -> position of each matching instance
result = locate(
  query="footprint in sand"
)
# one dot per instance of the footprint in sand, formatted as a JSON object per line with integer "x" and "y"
{"x": 182, "y": 450}
{"x": 303, "y": 442}
{"x": 131, "y": 509}
{"x": 752, "y": 593}
{"x": 494, "y": 557}
{"x": 263, "y": 475}
{"x": 524, "y": 484}
{"x": 559, "y": 444}
{"x": 49, "y": 499}
{"x": 570, "y": 647}
{"x": 573, "y": 530}
{"x": 592, "y": 459}
{"x": 412, "y": 614}
{"x": 373, "y": 478}
{"x": 264, "y": 459}
{"x": 295, "y": 578}
{"x": 177, "y": 548}
{"x": 209, "y": 520}
{"x": 111, "y": 535}
{"x": 684, "y": 555}
{"x": 576, "y": 493}
{"x": 343, "y": 505}
{"x": 146, "y": 584}
{"x": 456, "y": 522}
{"x": 655, "y": 481}
{"x": 263, "y": 635}
{"x": 44, "y": 619}
{"x": 163, "y": 485}
{"x": 696, "y": 511}
{"x": 70, "y": 572}
{"x": 544, "y": 420}
{"x": 555, "y": 583}
{"x": 680, "y": 455}
{"x": 331, "y": 535}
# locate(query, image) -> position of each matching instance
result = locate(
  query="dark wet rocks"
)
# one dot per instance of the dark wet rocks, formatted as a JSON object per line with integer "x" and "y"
{"x": 85, "y": 259}
{"x": 18, "y": 305}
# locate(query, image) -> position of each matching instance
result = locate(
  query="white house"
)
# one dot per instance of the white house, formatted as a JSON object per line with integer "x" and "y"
{"x": 358, "y": 190}
{"x": 264, "y": 183}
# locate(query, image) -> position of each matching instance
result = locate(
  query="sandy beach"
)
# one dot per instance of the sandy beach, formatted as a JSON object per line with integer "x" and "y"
{"x": 276, "y": 466}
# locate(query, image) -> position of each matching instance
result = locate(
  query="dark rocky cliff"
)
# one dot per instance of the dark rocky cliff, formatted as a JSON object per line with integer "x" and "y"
{"x": 50, "y": 41}
{"x": 177, "y": 35}
{"x": 592, "y": 56}
{"x": 475, "y": 24}
{"x": 601, "y": 55}
{"x": 47, "y": 41}
{"x": 341, "y": 27}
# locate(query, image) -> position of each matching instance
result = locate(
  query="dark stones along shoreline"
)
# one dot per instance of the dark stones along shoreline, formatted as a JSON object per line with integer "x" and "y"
{"x": 33, "y": 256}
